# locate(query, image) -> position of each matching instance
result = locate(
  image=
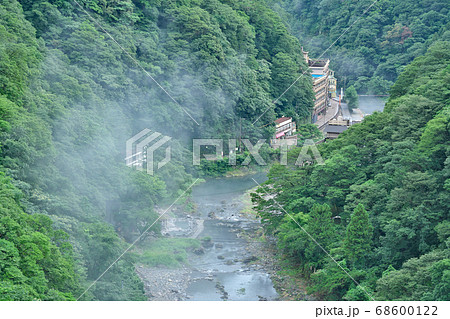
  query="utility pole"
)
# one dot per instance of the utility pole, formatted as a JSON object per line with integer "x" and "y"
{"x": 240, "y": 133}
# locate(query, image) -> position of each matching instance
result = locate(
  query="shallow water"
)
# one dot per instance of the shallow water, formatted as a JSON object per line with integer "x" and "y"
{"x": 221, "y": 273}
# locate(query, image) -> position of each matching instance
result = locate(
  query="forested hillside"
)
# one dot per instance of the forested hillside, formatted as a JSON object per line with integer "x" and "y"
{"x": 380, "y": 203}
{"x": 381, "y": 42}
{"x": 70, "y": 98}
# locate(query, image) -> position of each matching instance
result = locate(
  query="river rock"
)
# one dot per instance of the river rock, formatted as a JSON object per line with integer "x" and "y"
{"x": 250, "y": 259}
{"x": 199, "y": 251}
{"x": 261, "y": 298}
{"x": 212, "y": 215}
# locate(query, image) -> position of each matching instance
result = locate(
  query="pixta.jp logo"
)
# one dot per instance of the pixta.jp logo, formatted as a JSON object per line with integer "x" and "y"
{"x": 140, "y": 150}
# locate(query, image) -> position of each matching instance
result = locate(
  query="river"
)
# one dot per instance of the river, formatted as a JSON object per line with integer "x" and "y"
{"x": 225, "y": 271}
{"x": 232, "y": 264}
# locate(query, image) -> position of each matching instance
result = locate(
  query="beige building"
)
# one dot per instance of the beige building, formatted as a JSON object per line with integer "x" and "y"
{"x": 324, "y": 84}
{"x": 332, "y": 87}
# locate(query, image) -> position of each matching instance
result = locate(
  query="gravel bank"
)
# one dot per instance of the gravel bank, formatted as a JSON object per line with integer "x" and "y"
{"x": 164, "y": 284}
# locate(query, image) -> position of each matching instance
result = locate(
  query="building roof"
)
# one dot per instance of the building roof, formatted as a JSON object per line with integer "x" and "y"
{"x": 335, "y": 128}
{"x": 318, "y": 63}
{"x": 282, "y": 119}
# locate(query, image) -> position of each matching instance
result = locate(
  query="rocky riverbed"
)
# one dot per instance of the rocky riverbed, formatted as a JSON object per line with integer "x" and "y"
{"x": 233, "y": 263}
{"x": 165, "y": 284}
{"x": 287, "y": 287}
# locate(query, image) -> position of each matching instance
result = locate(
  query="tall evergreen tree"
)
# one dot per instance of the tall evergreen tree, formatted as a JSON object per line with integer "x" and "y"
{"x": 321, "y": 228}
{"x": 359, "y": 235}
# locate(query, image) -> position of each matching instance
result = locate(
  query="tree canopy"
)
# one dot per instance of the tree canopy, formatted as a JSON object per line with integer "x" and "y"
{"x": 70, "y": 97}
{"x": 386, "y": 182}
{"x": 384, "y": 36}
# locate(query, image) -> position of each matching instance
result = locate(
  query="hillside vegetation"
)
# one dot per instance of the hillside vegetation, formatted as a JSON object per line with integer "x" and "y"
{"x": 70, "y": 98}
{"x": 384, "y": 36}
{"x": 380, "y": 203}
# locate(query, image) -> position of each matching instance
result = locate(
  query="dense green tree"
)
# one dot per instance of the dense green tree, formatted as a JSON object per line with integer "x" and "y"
{"x": 70, "y": 98}
{"x": 382, "y": 37}
{"x": 330, "y": 283}
{"x": 394, "y": 164}
{"x": 308, "y": 132}
{"x": 351, "y": 97}
{"x": 303, "y": 237}
{"x": 358, "y": 237}
{"x": 36, "y": 261}
{"x": 424, "y": 278}
{"x": 321, "y": 227}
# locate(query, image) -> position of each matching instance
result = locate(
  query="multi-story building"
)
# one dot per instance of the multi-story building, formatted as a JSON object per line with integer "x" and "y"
{"x": 284, "y": 126}
{"x": 284, "y": 132}
{"x": 332, "y": 87}
{"x": 324, "y": 84}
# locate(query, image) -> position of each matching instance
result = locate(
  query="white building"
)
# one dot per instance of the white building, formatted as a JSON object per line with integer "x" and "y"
{"x": 284, "y": 133}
